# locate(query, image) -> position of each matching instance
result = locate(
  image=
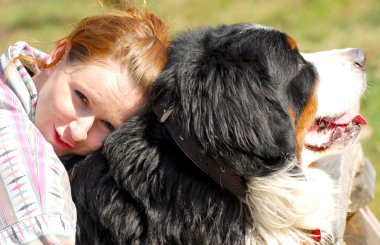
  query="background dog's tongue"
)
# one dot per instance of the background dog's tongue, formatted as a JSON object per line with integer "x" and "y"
{"x": 349, "y": 117}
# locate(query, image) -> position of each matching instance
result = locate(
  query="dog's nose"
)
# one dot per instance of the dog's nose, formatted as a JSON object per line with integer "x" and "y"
{"x": 358, "y": 57}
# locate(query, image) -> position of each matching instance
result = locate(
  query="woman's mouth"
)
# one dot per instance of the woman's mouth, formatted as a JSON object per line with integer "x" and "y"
{"x": 58, "y": 141}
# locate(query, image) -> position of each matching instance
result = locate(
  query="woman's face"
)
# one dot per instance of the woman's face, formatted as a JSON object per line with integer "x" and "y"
{"x": 80, "y": 104}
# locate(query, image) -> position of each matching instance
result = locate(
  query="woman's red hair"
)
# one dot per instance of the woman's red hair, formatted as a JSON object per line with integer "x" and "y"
{"x": 137, "y": 39}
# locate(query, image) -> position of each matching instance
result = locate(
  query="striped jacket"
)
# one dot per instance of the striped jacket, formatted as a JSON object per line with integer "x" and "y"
{"x": 35, "y": 198}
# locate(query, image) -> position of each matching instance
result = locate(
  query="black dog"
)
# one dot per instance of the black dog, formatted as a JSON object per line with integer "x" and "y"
{"x": 224, "y": 124}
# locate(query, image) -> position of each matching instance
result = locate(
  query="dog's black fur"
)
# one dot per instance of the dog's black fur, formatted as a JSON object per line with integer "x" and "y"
{"x": 232, "y": 88}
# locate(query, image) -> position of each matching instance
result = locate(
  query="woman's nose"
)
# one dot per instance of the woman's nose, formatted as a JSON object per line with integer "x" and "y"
{"x": 80, "y": 127}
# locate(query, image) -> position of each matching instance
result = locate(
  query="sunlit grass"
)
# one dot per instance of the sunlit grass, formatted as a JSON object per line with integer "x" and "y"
{"x": 42, "y": 21}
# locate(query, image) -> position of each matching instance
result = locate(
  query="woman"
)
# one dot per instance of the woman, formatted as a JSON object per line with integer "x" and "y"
{"x": 67, "y": 103}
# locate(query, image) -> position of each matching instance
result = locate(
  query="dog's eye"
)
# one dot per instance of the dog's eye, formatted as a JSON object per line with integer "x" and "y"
{"x": 301, "y": 66}
{"x": 301, "y": 63}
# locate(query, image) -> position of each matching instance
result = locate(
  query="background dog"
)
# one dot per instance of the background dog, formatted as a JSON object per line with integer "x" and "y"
{"x": 223, "y": 156}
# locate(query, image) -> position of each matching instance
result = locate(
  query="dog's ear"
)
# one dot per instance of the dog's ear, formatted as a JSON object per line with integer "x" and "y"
{"x": 226, "y": 101}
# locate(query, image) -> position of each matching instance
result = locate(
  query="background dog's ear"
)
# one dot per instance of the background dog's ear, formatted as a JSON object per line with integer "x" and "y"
{"x": 227, "y": 102}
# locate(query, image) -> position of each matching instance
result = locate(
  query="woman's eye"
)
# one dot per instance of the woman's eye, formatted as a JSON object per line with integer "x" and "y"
{"x": 82, "y": 97}
{"x": 108, "y": 125}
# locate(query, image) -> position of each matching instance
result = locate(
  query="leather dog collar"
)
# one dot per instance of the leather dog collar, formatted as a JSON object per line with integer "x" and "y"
{"x": 215, "y": 168}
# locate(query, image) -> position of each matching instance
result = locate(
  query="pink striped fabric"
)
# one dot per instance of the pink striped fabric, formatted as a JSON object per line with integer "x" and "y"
{"x": 35, "y": 198}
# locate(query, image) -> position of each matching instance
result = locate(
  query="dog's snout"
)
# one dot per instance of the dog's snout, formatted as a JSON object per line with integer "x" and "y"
{"x": 359, "y": 58}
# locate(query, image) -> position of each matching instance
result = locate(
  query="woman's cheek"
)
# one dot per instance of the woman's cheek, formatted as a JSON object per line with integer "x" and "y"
{"x": 96, "y": 140}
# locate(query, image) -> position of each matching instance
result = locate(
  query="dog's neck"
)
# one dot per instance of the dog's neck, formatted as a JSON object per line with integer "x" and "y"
{"x": 214, "y": 168}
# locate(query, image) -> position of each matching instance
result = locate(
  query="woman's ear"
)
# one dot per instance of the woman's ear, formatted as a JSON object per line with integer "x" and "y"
{"x": 60, "y": 52}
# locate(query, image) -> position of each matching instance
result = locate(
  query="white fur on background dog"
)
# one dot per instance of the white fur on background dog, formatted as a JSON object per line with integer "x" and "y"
{"x": 270, "y": 198}
{"x": 341, "y": 84}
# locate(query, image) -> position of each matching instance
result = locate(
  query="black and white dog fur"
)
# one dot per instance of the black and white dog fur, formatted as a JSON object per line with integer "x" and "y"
{"x": 242, "y": 94}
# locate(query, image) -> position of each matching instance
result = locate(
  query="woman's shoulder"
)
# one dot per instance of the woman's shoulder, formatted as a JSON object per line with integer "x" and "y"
{"x": 17, "y": 88}
{"x": 35, "y": 189}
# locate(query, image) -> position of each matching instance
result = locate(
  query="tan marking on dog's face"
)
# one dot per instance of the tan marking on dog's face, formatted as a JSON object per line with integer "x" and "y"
{"x": 306, "y": 120}
{"x": 292, "y": 43}
{"x": 292, "y": 117}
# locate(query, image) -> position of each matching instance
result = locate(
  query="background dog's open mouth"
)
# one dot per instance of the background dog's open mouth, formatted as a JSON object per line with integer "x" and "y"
{"x": 327, "y": 131}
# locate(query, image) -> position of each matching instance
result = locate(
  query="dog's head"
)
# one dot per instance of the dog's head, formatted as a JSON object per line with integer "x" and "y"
{"x": 342, "y": 81}
{"x": 240, "y": 93}
{"x": 244, "y": 93}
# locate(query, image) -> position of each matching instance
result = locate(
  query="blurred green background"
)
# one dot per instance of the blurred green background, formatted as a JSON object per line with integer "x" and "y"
{"x": 315, "y": 25}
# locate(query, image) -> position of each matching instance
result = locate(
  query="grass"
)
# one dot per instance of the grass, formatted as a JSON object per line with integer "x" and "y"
{"x": 41, "y": 22}
{"x": 316, "y": 25}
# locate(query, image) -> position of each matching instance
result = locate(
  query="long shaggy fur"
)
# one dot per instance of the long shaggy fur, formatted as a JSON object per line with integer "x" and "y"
{"x": 281, "y": 201}
{"x": 134, "y": 194}
{"x": 232, "y": 88}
